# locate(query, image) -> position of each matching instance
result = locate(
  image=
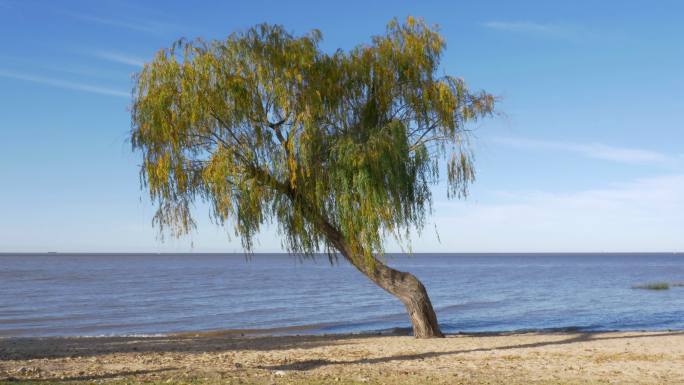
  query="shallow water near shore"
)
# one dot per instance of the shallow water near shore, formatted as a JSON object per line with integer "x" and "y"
{"x": 91, "y": 294}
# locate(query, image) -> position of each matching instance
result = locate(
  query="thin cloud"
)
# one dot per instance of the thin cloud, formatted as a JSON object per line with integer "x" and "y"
{"x": 82, "y": 70}
{"x": 590, "y": 150}
{"x": 63, "y": 84}
{"x": 121, "y": 58}
{"x": 520, "y": 26}
{"x": 147, "y": 26}
{"x": 540, "y": 29}
{"x": 639, "y": 215}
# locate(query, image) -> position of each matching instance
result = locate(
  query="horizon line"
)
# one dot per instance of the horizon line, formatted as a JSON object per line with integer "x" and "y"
{"x": 106, "y": 253}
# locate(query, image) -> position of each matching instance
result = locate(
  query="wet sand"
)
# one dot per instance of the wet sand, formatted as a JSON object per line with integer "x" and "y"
{"x": 228, "y": 357}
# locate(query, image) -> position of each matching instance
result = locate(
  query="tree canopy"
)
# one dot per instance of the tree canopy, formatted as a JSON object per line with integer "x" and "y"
{"x": 266, "y": 126}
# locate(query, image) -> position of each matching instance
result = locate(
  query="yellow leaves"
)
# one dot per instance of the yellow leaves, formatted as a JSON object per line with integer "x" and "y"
{"x": 162, "y": 167}
{"x": 445, "y": 94}
{"x": 292, "y": 162}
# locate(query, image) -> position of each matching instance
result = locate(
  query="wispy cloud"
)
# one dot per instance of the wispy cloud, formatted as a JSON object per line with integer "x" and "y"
{"x": 520, "y": 26}
{"x": 540, "y": 29}
{"x": 121, "y": 58}
{"x": 57, "y": 69}
{"x": 63, "y": 83}
{"x": 139, "y": 25}
{"x": 590, "y": 150}
{"x": 639, "y": 215}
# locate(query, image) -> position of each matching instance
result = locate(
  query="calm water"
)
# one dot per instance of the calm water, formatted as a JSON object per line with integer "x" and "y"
{"x": 150, "y": 294}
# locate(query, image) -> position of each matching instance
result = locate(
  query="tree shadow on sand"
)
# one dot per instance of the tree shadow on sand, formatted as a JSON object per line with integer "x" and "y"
{"x": 27, "y": 348}
{"x": 58, "y": 347}
{"x": 582, "y": 337}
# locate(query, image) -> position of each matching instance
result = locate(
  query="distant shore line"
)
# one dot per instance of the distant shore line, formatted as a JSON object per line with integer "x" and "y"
{"x": 324, "y": 255}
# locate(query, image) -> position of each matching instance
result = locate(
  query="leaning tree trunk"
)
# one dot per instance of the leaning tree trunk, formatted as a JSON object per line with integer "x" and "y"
{"x": 405, "y": 286}
{"x": 410, "y": 292}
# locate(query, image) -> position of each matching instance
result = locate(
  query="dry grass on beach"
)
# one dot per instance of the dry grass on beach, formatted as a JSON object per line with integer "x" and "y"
{"x": 227, "y": 358}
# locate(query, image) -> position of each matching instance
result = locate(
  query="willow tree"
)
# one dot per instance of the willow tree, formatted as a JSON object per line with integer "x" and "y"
{"x": 339, "y": 149}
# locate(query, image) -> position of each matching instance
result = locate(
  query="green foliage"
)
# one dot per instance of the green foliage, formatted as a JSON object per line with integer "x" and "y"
{"x": 265, "y": 126}
{"x": 653, "y": 286}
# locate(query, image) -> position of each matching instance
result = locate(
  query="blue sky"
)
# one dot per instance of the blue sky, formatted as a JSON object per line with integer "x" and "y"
{"x": 586, "y": 154}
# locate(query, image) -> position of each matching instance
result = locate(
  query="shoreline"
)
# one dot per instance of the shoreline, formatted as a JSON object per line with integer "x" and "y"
{"x": 221, "y": 357}
{"x": 318, "y": 330}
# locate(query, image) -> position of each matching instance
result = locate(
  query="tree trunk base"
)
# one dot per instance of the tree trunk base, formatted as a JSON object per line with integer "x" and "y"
{"x": 411, "y": 293}
{"x": 404, "y": 286}
{"x": 419, "y": 307}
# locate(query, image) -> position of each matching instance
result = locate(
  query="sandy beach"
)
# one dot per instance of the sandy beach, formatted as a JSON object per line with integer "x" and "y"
{"x": 230, "y": 358}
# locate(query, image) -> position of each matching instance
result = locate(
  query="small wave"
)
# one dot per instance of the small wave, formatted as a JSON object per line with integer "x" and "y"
{"x": 117, "y": 335}
{"x": 277, "y": 331}
{"x": 468, "y": 305}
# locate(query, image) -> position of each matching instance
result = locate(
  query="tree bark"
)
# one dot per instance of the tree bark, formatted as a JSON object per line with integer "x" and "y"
{"x": 410, "y": 292}
{"x": 405, "y": 286}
